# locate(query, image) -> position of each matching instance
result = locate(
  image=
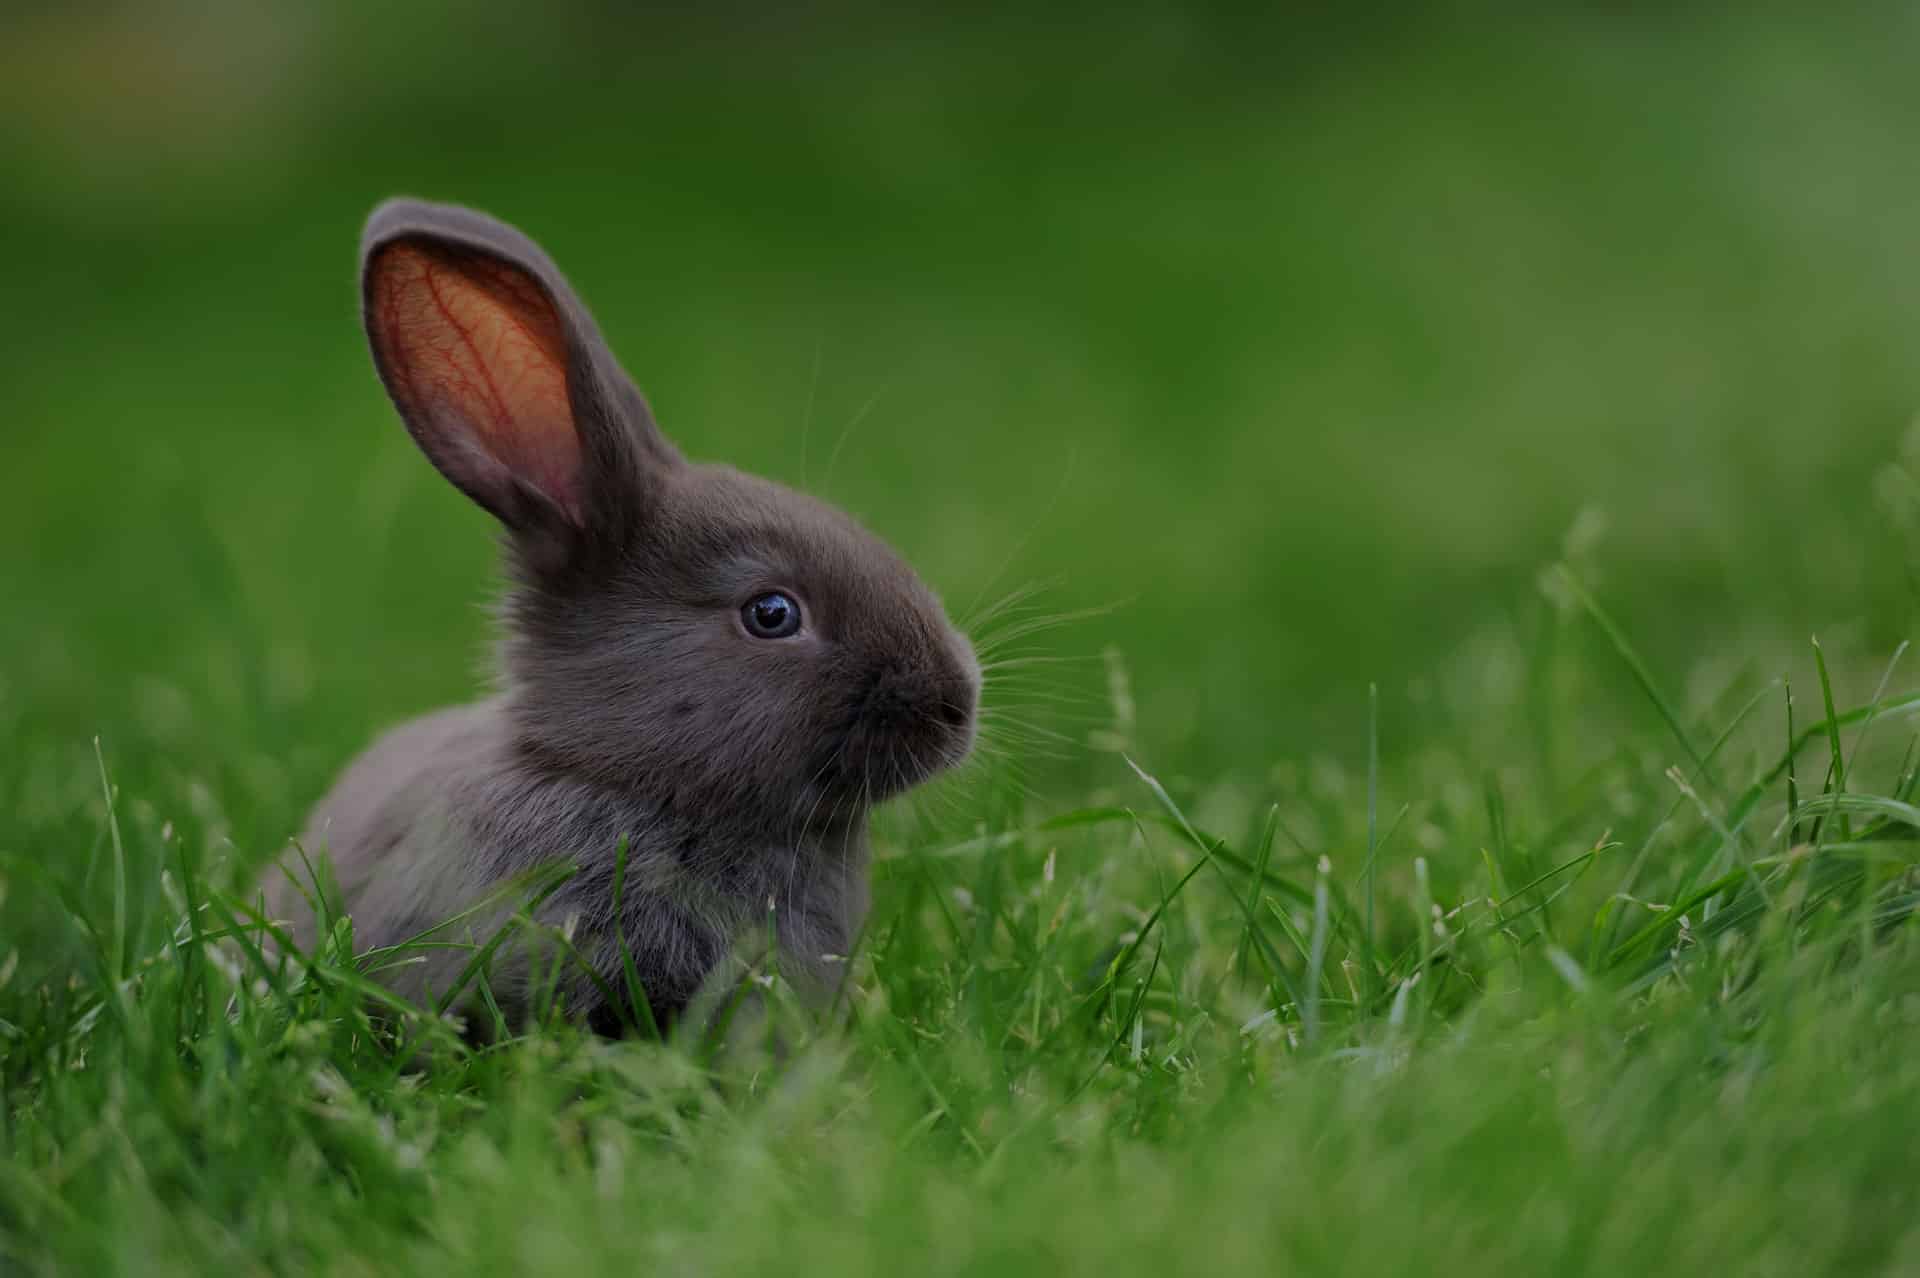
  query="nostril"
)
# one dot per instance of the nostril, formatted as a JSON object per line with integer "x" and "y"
{"x": 953, "y": 713}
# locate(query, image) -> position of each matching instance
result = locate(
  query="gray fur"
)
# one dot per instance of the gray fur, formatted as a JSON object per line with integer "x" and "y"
{"x": 633, "y": 702}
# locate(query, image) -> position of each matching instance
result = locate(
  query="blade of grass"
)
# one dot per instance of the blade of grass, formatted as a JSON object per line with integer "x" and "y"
{"x": 1261, "y": 861}
{"x": 117, "y": 942}
{"x": 1212, "y": 851}
{"x": 1316, "y": 956}
{"x": 639, "y": 1012}
{"x": 550, "y": 880}
{"x": 1793, "y": 780}
{"x": 1373, "y": 827}
{"x": 1635, "y": 666}
{"x": 1833, "y": 732}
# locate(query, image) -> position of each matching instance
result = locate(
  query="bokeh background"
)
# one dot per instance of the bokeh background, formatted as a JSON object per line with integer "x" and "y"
{"x": 1302, "y": 341}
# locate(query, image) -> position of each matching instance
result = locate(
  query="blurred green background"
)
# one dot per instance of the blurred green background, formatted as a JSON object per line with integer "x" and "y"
{"x": 1308, "y": 339}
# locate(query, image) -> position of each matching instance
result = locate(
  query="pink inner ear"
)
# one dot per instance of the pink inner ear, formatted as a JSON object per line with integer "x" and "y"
{"x": 475, "y": 351}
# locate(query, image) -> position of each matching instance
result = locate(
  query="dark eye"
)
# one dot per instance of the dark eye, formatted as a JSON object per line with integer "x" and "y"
{"x": 774, "y": 615}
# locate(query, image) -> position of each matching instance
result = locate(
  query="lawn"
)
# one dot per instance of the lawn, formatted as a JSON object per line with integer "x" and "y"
{"x": 1459, "y": 478}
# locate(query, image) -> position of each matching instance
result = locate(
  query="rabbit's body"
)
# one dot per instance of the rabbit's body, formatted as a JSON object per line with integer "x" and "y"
{"x": 717, "y": 672}
{"x": 691, "y": 888}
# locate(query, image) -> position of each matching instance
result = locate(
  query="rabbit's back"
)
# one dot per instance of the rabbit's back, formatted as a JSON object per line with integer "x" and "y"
{"x": 392, "y": 827}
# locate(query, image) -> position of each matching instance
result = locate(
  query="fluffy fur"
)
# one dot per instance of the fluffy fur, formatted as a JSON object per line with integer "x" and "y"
{"x": 635, "y": 704}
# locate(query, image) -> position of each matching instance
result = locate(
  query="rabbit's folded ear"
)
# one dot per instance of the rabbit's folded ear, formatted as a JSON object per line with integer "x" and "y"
{"x": 501, "y": 376}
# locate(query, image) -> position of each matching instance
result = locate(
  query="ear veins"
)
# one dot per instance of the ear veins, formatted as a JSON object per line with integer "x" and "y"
{"x": 480, "y": 353}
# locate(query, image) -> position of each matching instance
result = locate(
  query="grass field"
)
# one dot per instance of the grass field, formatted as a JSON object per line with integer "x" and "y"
{"x": 1439, "y": 847}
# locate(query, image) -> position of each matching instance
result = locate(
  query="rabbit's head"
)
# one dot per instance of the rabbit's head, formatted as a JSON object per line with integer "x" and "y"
{"x": 732, "y": 648}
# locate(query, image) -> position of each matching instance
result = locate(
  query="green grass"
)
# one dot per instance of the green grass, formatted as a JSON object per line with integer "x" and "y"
{"x": 1669, "y": 1027}
{"x": 1448, "y": 435}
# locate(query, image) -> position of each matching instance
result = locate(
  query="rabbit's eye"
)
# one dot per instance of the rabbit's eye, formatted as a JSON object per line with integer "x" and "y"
{"x": 773, "y": 615}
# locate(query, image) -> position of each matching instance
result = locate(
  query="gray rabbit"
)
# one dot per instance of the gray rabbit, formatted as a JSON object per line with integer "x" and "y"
{"x": 720, "y": 672}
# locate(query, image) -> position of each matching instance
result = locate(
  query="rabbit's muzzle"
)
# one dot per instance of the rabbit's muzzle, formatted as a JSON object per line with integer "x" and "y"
{"x": 910, "y": 724}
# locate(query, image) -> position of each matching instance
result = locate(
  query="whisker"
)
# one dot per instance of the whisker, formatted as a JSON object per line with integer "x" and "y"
{"x": 1002, "y": 745}
{"x": 1025, "y": 728}
{"x": 1066, "y": 474}
{"x": 1027, "y": 627}
{"x": 1008, "y": 602}
{"x": 1036, "y": 659}
{"x": 826, "y": 485}
{"x": 1063, "y": 700}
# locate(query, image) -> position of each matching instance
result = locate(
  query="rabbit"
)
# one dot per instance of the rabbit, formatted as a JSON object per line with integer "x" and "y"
{"x": 717, "y": 672}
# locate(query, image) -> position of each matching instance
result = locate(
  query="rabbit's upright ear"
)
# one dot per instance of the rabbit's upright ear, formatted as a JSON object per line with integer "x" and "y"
{"x": 502, "y": 377}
